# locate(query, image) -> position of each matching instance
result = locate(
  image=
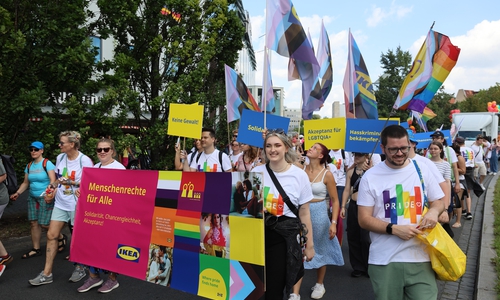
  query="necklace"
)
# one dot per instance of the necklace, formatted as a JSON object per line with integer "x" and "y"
{"x": 283, "y": 169}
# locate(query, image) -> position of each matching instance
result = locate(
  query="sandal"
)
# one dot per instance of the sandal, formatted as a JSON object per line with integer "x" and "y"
{"x": 456, "y": 225}
{"x": 32, "y": 253}
{"x": 62, "y": 243}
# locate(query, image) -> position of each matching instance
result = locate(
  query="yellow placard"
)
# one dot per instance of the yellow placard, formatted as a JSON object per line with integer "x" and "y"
{"x": 329, "y": 132}
{"x": 185, "y": 120}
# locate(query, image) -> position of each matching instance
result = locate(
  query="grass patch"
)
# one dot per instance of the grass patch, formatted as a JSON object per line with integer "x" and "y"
{"x": 14, "y": 226}
{"x": 496, "y": 231}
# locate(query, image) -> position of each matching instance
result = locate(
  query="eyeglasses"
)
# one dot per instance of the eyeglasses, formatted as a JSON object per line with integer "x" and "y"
{"x": 276, "y": 131}
{"x": 234, "y": 145}
{"x": 33, "y": 149}
{"x": 393, "y": 151}
{"x": 235, "y": 135}
{"x": 62, "y": 143}
{"x": 99, "y": 150}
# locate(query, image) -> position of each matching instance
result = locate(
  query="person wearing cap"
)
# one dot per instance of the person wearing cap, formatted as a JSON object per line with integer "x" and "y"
{"x": 479, "y": 147}
{"x": 39, "y": 173}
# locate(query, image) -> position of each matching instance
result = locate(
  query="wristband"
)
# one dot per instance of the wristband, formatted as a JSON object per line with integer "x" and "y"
{"x": 334, "y": 222}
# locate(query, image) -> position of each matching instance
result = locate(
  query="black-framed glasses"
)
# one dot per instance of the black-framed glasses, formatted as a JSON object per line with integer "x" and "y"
{"x": 33, "y": 149}
{"x": 106, "y": 150}
{"x": 393, "y": 151}
{"x": 234, "y": 144}
{"x": 62, "y": 143}
{"x": 276, "y": 131}
{"x": 235, "y": 135}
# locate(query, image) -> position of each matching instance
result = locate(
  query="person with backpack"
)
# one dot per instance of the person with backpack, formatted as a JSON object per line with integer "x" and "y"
{"x": 5, "y": 257}
{"x": 210, "y": 159}
{"x": 69, "y": 168}
{"x": 39, "y": 173}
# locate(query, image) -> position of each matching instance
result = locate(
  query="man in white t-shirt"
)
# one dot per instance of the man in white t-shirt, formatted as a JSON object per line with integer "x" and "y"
{"x": 478, "y": 147}
{"x": 391, "y": 201}
{"x": 211, "y": 159}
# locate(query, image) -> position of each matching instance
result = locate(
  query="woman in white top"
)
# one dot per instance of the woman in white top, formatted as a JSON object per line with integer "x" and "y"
{"x": 326, "y": 244}
{"x": 284, "y": 261}
{"x": 105, "y": 152}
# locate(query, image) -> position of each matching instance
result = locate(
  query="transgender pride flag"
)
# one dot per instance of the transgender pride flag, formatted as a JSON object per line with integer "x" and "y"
{"x": 431, "y": 67}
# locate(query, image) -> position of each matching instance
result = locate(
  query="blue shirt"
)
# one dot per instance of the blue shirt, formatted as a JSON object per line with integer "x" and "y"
{"x": 38, "y": 178}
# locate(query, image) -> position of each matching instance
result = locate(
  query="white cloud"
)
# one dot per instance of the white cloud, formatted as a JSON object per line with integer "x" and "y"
{"x": 378, "y": 14}
{"x": 478, "y": 66}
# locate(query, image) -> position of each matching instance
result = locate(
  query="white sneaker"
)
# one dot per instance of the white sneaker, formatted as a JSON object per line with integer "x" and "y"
{"x": 494, "y": 173}
{"x": 294, "y": 297}
{"x": 318, "y": 291}
{"x": 482, "y": 186}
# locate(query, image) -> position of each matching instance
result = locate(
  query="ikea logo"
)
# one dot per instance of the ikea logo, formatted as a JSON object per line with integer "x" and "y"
{"x": 128, "y": 253}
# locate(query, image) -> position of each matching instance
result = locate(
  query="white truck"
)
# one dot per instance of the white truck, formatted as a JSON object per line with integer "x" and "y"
{"x": 470, "y": 124}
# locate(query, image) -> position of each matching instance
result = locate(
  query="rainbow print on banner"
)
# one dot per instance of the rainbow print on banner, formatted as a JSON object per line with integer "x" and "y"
{"x": 431, "y": 67}
{"x": 404, "y": 205}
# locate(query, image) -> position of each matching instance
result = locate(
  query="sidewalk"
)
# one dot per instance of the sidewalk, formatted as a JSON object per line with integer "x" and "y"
{"x": 476, "y": 240}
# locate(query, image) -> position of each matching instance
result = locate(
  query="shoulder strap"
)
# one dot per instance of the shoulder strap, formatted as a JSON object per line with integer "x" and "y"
{"x": 426, "y": 201}
{"x": 343, "y": 153}
{"x": 282, "y": 192}
{"x": 44, "y": 165}
{"x": 198, "y": 156}
{"x": 192, "y": 157}
{"x": 220, "y": 160}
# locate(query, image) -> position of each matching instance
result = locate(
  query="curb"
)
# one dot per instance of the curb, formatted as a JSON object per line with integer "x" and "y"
{"x": 486, "y": 273}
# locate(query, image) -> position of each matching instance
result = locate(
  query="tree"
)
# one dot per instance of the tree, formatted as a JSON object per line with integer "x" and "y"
{"x": 396, "y": 65}
{"x": 164, "y": 61}
{"x": 479, "y": 101}
{"x": 46, "y": 61}
{"x": 441, "y": 106}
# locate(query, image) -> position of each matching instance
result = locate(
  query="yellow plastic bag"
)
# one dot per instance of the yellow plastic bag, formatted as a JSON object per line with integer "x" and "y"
{"x": 447, "y": 259}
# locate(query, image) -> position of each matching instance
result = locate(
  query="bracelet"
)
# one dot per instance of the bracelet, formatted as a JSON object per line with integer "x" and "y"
{"x": 334, "y": 222}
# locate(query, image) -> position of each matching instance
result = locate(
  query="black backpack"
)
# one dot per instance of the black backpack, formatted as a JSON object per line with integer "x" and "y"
{"x": 11, "y": 180}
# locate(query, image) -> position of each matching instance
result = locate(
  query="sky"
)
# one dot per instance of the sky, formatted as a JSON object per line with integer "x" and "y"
{"x": 379, "y": 26}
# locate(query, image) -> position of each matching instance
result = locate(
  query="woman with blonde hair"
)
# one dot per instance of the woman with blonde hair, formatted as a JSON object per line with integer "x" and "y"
{"x": 287, "y": 198}
{"x": 69, "y": 168}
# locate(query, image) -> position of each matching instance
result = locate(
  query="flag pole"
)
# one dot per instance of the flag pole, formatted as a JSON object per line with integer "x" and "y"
{"x": 263, "y": 98}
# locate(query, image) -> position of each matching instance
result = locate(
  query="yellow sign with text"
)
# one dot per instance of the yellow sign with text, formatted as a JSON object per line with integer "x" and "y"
{"x": 329, "y": 132}
{"x": 185, "y": 120}
{"x": 391, "y": 119}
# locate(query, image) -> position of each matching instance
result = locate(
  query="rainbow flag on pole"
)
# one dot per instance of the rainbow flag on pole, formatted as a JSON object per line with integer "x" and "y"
{"x": 431, "y": 67}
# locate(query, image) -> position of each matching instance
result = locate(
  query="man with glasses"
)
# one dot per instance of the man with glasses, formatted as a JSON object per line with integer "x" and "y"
{"x": 391, "y": 201}
{"x": 210, "y": 159}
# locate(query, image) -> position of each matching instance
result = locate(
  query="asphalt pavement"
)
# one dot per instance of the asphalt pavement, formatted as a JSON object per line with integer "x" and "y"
{"x": 474, "y": 238}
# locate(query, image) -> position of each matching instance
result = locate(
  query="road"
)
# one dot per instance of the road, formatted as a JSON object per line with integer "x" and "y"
{"x": 338, "y": 282}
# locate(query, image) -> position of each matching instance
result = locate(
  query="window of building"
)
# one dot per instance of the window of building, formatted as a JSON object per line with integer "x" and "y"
{"x": 97, "y": 44}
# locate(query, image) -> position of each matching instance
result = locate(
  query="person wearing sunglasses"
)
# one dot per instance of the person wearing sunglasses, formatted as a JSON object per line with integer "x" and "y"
{"x": 392, "y": 199}
{"x": 284, "y": 257}
{"x": 69, "y": 168}
{"x": 38, "y": 174}
{"x": 106, "y": 152}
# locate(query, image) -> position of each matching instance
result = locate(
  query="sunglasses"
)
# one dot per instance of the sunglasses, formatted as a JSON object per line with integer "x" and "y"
{"x": 276, "y": 131}
{"x": 106, "y": 150}
{"x": 235, "y": 135}
{"x": 33, "y": 149}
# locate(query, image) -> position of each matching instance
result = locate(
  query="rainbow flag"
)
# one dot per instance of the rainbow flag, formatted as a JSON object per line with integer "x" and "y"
{"x": 238, "y": 96}
{"x": 431, "y": 67}
{"x": 359, "y": 96}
